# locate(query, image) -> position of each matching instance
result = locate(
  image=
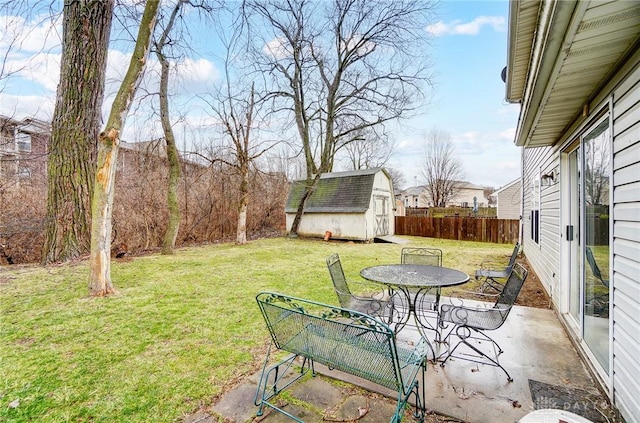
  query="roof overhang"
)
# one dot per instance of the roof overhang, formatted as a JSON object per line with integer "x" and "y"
{"x": 560, "y": 54}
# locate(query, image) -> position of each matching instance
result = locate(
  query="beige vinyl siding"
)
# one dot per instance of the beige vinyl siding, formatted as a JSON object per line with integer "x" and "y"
{"x": 626, "y": 245}
{"x": 508, "y": 201}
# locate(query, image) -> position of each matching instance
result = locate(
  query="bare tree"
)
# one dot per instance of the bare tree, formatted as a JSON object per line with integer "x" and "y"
{"x": 487, "y": 193}
{"x": 397, "y": 179}
{"x": 109, "y": 141}
{"x": 362, "y": 153}
{"x": 441, "y": 171}
{"x": 75, "y": 128}
{"x": 340, "y": 68}
{"x": 173, "y": 224}
{"x": 238, "y": 108}
{"x": 597, "y": 163}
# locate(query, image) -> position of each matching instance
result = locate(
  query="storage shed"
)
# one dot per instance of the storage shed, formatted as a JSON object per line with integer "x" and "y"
{"x": 355, "y": 205}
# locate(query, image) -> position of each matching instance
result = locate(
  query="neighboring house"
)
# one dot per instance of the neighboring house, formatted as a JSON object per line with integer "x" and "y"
{"x": 355, "y": 205}
{"x": 508, "y": 200}
{"x": 418, "y": 196}
{"x": 414, "y": 197}
{"x": 23, "y": 150}
{"x": 467, "y": 193}
{"x": 575, "y": 69}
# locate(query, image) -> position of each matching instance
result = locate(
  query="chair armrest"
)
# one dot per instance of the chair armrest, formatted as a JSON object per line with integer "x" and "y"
{"x": 492, "y": 272}
{"x": 369, "y": 287}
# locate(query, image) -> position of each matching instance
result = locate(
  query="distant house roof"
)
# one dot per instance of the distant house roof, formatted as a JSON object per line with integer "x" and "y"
{"x": 336, "y": 192}
{"x": 413, "y": 191}
{"x": 468, "y": 185}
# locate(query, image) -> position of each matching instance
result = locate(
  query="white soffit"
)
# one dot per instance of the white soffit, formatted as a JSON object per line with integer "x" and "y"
{"x": 590, "y": 54}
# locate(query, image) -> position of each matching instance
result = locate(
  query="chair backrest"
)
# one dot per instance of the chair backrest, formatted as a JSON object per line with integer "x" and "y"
{"x": 512, "y": 287}
{"x": 514, "y": 256}
{"x": 594, "y": 267}
{"x": 428, "y": 256}
{"x": 339, "y": 338}
{"x": 339, "y": 281}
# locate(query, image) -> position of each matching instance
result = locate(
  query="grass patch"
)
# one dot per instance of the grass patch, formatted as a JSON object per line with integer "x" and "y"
{"x": 181, "y": 330}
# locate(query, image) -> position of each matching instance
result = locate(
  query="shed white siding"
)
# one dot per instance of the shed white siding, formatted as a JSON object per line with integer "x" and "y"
{"x": 626, "y": 245}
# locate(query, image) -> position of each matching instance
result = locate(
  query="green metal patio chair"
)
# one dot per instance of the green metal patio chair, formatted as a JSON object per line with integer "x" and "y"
{"x": 374, "y": 301}
{"x": 426, "y": 300}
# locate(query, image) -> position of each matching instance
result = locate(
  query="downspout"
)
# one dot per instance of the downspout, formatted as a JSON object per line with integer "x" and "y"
{"x": 521, "y": 229}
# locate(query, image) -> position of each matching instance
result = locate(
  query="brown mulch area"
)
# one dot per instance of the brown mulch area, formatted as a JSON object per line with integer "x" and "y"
{"x": 532, "y": 294}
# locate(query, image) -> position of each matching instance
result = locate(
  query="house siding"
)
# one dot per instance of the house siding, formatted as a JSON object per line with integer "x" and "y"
{"x": 544, "y": 255}
{"x": 508, "y": 201}
{"x": 626, "y": 245}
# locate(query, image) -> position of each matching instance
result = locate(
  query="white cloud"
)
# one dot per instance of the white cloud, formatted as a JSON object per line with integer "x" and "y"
{"x": 277, "y": 48}
{"x": 197, "y": 70}
{"x": 474, "y": 27}
{"x": 40, "y": 34}
{"x": 488, "y": 158}
{"x": 23, "y": 106}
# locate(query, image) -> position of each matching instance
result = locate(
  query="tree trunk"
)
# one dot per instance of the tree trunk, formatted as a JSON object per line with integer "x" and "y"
{"x": 108, "y": 144}
{"x": 173, "y": 209}
{"x": 310, "y": 186}
{"x": 75, "y": 128}
{"x": 241, "y": 233}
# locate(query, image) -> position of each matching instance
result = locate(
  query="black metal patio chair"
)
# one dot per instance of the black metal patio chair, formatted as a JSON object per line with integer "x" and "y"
{"x": 374, "y": 301}
{"x": 491, "y": 272}
{"x": 594, "y": 268}
{"x": 470, "y": 324}
{"x": 597, "y": 298}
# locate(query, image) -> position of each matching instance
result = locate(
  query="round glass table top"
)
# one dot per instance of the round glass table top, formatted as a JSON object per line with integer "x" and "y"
{"x": 415, "y": 275}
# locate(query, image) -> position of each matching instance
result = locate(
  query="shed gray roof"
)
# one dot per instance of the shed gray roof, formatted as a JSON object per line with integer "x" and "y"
{"x": 337, "y": 192}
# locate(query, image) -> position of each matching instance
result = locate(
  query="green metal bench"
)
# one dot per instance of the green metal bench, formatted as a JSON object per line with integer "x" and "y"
{"x": 341, "y": 339}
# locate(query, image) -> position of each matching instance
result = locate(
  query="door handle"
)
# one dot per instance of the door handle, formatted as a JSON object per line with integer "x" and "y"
{"x": 569, "y": 232}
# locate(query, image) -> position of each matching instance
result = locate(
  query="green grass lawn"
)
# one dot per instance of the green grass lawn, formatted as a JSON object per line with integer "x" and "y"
{"x": 180, "y": 331}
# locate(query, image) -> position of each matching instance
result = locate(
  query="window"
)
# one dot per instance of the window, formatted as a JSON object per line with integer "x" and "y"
{"x": 23, "y": 141}
{"x": 24, "y": 172}
{"x": 535, "y": 210}
{"x": 8, "y": 166}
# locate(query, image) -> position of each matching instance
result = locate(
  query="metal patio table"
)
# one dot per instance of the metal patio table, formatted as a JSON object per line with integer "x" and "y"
{"x": 409, "y": 283}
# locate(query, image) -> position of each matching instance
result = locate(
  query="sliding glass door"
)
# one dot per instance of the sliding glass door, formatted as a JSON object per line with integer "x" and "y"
{"x": 597, "y": 162}
{"x": 588, "y": 192}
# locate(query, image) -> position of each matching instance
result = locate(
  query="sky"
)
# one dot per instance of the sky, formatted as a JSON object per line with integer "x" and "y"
{"x": 467, "y": 51}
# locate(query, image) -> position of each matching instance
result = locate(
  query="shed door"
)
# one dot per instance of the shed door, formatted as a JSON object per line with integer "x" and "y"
{"x": 381, "y": 210}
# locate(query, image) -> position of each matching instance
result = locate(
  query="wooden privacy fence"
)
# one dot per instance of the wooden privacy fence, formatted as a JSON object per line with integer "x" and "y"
{"x": 500, "y": 231}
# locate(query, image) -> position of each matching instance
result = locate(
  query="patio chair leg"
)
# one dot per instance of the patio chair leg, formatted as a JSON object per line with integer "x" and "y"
{"x": 464, "y": 340}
